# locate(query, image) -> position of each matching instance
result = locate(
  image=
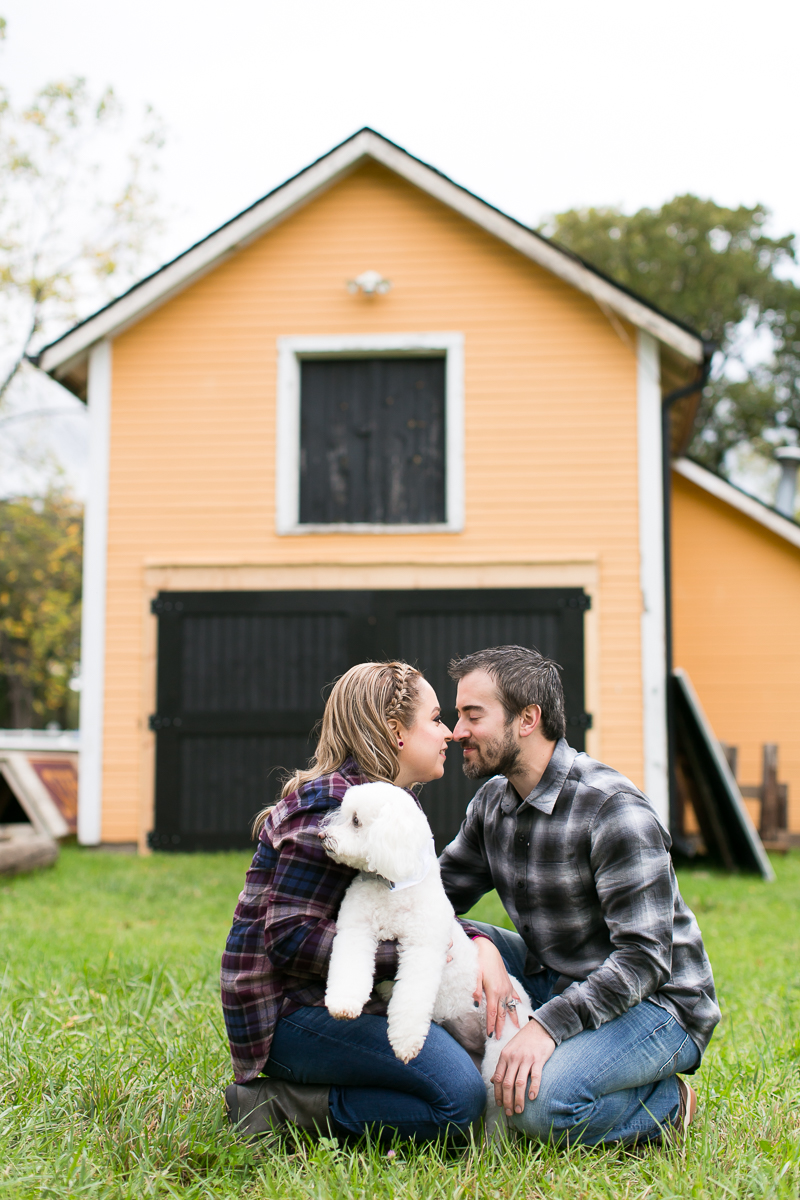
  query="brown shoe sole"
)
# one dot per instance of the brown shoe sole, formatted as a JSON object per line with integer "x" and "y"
{"x": 688, "y": 1106}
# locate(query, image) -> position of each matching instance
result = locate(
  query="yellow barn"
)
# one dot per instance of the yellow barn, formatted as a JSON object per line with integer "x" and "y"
{"x": 374, "y": 415}
{"x": 736, "y": 620}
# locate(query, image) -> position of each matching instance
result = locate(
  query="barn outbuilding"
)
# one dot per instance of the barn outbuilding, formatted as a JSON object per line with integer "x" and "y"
{"x": 736, "y": 603}
{"x": 370, "y": 416}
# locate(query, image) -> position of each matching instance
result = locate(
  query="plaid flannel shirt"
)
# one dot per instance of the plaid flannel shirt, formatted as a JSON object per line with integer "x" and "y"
{"x": 583, "y": 868}
{"x": 277, "y": 952}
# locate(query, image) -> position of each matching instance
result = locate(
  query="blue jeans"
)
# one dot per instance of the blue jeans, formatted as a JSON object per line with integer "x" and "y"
{"x": 440, "y": 1091}
{"x": 612, "y": 1084}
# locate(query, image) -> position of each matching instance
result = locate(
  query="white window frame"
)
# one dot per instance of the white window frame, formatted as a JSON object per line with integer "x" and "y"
{"x": 293, "y": 350}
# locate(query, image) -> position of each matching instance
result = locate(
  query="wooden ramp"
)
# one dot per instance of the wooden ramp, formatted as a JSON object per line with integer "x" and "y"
{"x": 38, "y": 806}
{"x": 706, "y": 778}
{"x": 45, "y": 787}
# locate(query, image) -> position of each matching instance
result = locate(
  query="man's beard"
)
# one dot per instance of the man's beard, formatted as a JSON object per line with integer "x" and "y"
{"x": 498, "y": 757}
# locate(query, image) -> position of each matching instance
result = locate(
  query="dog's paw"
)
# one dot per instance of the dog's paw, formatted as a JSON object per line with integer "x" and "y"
{"x": 406, "y": 1052}
{"x": 342, "y": 1009}
{"x": 406, "y": 1047}
{"x": 344, "y": 1014}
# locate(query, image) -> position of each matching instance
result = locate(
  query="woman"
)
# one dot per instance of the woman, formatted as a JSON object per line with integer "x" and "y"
{"x": 381, "y": 722}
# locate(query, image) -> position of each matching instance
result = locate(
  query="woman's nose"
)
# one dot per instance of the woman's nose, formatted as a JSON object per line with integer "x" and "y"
{"x": 448, "y": 736}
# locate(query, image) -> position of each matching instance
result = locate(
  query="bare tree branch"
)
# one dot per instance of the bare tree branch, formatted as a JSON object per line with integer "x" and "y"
{"x": 12, "y": 374}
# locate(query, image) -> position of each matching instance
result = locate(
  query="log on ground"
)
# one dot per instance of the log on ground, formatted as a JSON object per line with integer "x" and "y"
{"x": 21, "y": 849}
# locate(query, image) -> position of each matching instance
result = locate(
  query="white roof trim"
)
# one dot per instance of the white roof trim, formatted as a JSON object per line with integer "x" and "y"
{"x": 550, "y": 257}
{"x": 309, "y": 183}
{"x": 717, "y": 487}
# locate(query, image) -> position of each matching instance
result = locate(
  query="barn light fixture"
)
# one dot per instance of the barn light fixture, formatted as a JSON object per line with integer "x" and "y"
{"x": 371, "y": 283}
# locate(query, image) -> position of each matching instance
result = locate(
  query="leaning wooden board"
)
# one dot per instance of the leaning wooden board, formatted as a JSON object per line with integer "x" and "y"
{"x": 726, "y": 823}
{"x": 46, "y": 788}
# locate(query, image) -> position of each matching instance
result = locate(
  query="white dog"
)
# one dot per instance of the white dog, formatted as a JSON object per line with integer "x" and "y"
{"x": 383, "y": 832}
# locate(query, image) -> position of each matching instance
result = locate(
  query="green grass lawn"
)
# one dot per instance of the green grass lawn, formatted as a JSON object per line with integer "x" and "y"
{"x": 113, "y": 1056}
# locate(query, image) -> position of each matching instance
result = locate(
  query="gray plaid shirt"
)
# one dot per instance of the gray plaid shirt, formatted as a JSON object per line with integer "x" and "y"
{"x": 583, "y": 868}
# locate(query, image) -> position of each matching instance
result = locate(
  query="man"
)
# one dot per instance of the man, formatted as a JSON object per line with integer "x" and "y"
{"x": 605, "y": 946}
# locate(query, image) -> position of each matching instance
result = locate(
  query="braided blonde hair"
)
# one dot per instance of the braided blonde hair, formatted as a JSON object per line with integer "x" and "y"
{"x": 356, "y": 724}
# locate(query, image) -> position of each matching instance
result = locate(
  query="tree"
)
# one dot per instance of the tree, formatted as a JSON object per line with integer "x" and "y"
{"x": 40, "y": 603}
{"x": 78, "y": 210}
{"x": 77, "y": 207}
{"x": 717, "y": 270}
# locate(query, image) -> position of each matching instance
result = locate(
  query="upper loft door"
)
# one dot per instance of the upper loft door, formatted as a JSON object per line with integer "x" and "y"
{"x": 372, "y": 441}
{"x": 242, "y": 678}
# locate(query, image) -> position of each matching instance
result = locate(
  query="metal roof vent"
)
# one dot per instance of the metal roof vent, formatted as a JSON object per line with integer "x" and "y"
{"x": 789, "y": 458}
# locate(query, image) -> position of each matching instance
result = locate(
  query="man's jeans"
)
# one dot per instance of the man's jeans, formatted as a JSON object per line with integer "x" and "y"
{"x": 612, "y": 1084}
{"x": 438, "y": 1091}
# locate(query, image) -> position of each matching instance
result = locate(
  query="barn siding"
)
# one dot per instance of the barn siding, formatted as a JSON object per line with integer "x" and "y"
{"x": 551, "y": 465}
{"x": 736, "y": 630}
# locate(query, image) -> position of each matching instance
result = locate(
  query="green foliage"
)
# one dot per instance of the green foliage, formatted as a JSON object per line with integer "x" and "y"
{"x": 40, "y": 589}
{"x": 715, "y": 269}
{"x": 113, "y": 1057}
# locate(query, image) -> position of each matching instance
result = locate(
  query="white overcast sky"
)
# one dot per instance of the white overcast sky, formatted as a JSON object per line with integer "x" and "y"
{"x": 536, "y": 107}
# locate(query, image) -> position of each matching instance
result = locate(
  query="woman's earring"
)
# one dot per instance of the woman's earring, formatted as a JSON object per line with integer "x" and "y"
{"x": 399, "y": 745}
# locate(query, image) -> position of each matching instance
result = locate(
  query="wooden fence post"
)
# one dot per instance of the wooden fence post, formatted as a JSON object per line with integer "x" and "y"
{"x": 770, "y": 795}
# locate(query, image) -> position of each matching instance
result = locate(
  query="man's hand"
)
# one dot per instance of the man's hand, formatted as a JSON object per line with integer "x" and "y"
{"x": 525, "y": 1055}
{"x": 494, "y": 981}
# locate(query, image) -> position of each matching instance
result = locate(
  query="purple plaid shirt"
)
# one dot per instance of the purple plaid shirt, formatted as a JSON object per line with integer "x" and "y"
{"x": 276, "y": 956}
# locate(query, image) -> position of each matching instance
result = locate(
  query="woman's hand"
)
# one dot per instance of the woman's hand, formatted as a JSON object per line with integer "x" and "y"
{"x": 493, "y": 979}
{"x": 523, "y": 1058}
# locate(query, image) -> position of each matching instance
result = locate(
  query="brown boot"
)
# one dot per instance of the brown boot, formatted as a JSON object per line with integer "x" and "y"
{"x": 264, "y": 1105}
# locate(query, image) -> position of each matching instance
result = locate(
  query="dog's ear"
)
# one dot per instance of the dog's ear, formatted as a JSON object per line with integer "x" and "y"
{"x": 399, "y": 839}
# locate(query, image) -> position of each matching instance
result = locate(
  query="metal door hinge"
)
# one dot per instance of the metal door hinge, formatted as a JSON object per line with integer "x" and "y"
{"x": 580, "y": 720}
{"x": 160, "y": 841}
{"x": 155, "y": 722}
{"x": 582, "y": 602}
{"x": 160, "y": 606}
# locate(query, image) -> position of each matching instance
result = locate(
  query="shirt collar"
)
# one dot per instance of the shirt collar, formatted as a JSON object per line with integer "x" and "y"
{"x": 352, "y": 772}
{"x": 548, "y": 789}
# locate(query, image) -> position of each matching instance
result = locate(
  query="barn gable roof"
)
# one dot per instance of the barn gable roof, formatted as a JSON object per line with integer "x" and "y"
{"x": 757, "y": 510}
{"x": 65, "y": 357}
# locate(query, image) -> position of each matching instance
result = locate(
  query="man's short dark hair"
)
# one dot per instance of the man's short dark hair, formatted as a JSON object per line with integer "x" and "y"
{"x": 523, "y": 676}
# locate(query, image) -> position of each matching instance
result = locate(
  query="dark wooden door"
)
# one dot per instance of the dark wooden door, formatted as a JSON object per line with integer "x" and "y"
{"x": 372, "y": 441}
{"x": 242, "y": 678}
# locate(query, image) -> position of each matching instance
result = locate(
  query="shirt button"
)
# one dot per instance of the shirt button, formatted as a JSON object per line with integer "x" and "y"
{"x": 526, "y": 928}
{"x": 520, "y": 883}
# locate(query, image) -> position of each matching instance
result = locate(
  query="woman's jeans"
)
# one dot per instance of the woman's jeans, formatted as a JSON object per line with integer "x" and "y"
{"x": 612, "y": 1084}
{"x": 438, "y": 1091}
